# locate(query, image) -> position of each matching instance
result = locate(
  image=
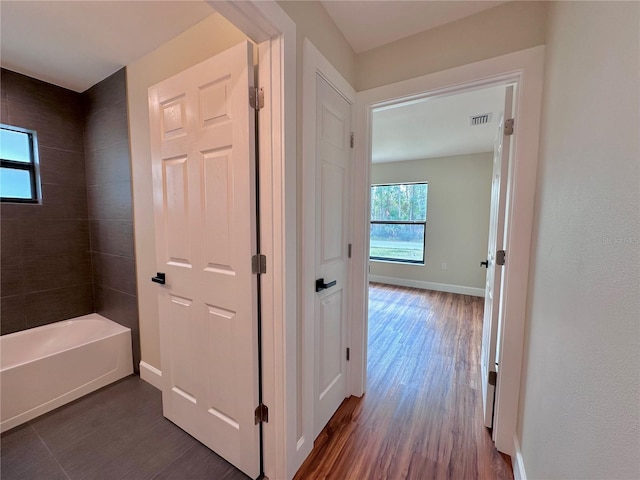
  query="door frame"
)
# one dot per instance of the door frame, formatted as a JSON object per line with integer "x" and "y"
{"x": 264, "y": 22}
{"x": 314, "y": 63}
{"x": 524, "y": 68}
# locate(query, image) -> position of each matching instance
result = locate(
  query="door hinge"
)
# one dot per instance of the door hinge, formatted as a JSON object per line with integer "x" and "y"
{"x": 493, "y": 377}
{"x": 262, "y": 414}
{"x": 501, "y": 257}
{"x": 348, "y": 353}
{"x": 256, "y": 98}
{"x": 259, "y": 264}
{"x": 349, "y": 251}
{"x": 353, "y": 139}
{"x": 508, "y": 126}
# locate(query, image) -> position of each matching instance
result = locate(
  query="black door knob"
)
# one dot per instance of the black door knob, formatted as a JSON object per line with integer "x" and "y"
{"x": 159, "y": 278}
{"x": 320, "y": 285}
{"x": 485, "y": 264}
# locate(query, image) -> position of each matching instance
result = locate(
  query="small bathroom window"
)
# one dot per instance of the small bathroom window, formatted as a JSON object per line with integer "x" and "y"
{"x": 19, "y": 179}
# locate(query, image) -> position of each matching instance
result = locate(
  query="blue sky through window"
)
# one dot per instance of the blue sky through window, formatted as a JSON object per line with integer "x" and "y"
{"x": 14, "y": 146}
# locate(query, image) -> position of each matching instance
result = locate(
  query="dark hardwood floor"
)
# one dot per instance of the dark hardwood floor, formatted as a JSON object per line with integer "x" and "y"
{"x": 421, "y": 417}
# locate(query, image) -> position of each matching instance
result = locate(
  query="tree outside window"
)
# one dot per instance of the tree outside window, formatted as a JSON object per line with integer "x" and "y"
{"x": 398, "y": 222}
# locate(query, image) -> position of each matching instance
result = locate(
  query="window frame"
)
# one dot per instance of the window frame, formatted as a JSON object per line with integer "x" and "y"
{"x": 400, "y": 222}
{"x": 32, "y": 166}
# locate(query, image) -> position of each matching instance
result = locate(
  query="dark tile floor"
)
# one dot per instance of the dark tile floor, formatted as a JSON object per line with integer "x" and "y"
{"x": 116, "y": 433}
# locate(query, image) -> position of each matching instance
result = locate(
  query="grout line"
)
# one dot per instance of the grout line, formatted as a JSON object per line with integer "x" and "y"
{"x": 111, "y": 255}
{"x": 50, "y": 452}
{"x": 101, "y": 285}
{"x": 174, "y": 461}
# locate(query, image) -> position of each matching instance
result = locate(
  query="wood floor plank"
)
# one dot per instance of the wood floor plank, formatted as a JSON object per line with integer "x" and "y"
{"x": 421, "y": 417}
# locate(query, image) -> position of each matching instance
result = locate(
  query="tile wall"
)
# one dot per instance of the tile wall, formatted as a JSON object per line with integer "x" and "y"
{"x": 45, "y": 257}
{"x": 73, "y": 254}
{"x": 108, "y": 172}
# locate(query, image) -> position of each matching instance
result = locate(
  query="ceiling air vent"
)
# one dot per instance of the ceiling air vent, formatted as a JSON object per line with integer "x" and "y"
{"x": 480, "y": 119}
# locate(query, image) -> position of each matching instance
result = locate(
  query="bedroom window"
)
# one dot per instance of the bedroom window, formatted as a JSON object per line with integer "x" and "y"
{"x": 398, "y": 222}
{"x": 19, "y": 180}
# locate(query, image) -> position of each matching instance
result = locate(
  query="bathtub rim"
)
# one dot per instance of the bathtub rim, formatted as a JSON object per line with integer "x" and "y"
{"x": 91, "y": 316}
{"x": 122, "y": 342}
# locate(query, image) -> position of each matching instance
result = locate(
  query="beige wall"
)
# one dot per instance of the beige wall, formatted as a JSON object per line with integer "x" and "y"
{"x": 580, "y": 398}
{"x": 313, "y": 21}
{"x": 211, "y": 36}
{"x": 507, "y": 28}
{"x": 458, "y": 203}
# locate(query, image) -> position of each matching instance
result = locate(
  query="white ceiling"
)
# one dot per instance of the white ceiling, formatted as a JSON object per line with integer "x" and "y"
{"x": 437, "y": 127}
{"x": 75, "y": 44}
{"x": 370, "y": 24}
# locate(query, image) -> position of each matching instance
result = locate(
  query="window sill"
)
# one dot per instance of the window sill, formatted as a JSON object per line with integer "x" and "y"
{"x": 397, "y": 262}
{"x": 19, "y": 201}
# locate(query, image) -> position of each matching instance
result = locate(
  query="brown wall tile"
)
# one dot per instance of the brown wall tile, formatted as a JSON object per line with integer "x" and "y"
{"x": 4, "y": 111}
{"x": 10, "y": 245}
{"x": 50, "y": 306}
{"x": 57, "y": 114}
{"x": 45, "y": 272}
{"x": 61, "y": 167}
{"x": 58, "y": 201}
{"x": 110, "y": 201}
{"x": 12, "y": 314}
{"x": 11, "y": 281}
{"x": 117, "y": 273}
{"x": 114, "y": 237}
{"x": 53, "y": 237}
{"x": 46, "y": 246}
{"x": 12, "y": 211}
{"x": 83, "y": 140}
{"x": 52, "y": 129}
{"x": 108, "y": 165}
{"x": 123, "y": 309}
{"x": 109, "y": 91}
{"x": 108, "y": 172}
{"x": 107, "y": 126}
{"x": 24, "y": 90}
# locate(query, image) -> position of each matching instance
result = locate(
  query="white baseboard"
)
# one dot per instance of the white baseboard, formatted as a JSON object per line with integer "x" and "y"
{"x": 151, "y": 374}
{"x": 517, "y": 462}
{"x": 438, "y": 287}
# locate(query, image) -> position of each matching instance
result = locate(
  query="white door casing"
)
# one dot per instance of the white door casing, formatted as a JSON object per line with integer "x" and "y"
{"x": 488, "y": 359}
{"x": 333, "y": 155}
{"x": 525, "y": 69}
{"x": 203, "y": 161}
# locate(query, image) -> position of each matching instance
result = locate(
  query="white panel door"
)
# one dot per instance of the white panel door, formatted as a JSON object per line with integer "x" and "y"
{"x": 333, "y": 154}
{"x": 494, "y": 272}
{"x": 203, "y": 157}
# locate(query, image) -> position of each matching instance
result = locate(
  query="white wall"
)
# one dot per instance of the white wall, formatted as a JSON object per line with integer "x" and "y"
{"x": 580, "y": 396}
{"x": 458, "y": 202}
{"x": 213, "y": 35}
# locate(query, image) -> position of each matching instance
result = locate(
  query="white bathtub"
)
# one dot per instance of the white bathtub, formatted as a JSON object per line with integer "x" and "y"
{"x": 46, "y": 367}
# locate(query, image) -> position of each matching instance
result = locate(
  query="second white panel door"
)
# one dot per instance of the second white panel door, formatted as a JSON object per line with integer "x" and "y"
{"x": 333, "y": 158}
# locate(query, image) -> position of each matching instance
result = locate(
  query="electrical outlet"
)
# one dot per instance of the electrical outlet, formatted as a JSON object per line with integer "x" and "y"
{"x": 444, "y": 266}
